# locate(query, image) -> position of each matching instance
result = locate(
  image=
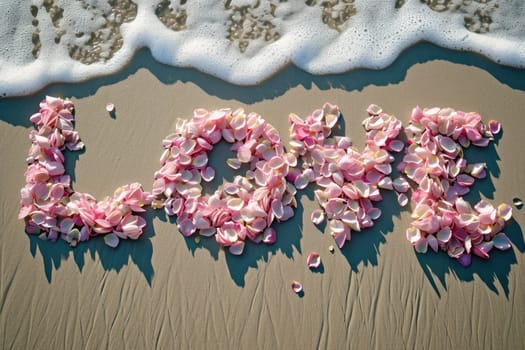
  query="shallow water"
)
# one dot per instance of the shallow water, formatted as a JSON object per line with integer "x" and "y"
{"x": 242, "y": 41}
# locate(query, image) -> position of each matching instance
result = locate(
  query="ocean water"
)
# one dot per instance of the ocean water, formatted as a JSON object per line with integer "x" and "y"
{"x": 242, "y": 41}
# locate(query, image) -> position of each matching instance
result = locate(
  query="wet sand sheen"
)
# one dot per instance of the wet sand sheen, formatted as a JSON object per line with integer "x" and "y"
{"x": 166, "y": 291}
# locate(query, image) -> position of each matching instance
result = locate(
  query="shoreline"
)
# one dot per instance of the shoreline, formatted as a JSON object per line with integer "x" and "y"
{"x": 418, "y": 53}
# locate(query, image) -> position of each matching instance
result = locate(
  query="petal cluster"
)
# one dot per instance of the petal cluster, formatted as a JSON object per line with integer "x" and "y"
{"x": 51, "y": 207}
{"x": 241, "y": 210}
{"x": 348, "y": 181}
{"x": 435, "y": 162}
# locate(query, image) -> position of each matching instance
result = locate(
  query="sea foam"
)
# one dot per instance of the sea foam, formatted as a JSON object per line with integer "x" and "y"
{"x": 242, "y": 41}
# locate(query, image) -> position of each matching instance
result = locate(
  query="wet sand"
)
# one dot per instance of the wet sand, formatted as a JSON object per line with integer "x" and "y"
{"x": 166, "y": 291}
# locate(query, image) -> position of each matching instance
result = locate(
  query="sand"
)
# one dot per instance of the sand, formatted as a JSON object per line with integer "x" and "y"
{"x": 166, "y": 291}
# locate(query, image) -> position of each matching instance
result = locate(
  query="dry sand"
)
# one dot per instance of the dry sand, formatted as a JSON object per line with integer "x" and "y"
{"x": 165, "y": 291}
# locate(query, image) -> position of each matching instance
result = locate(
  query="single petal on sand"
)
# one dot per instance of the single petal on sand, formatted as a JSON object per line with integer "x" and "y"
{"x": 313, "y": 260}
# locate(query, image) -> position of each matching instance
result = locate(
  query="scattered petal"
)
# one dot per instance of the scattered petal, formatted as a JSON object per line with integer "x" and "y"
{"x": 313, "y": 260}
{"x": 494, "y": 127}
{"x": 297, "y": 287}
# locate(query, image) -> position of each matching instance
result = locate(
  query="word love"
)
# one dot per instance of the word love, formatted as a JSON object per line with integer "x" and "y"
{"x": 348, "y": 182}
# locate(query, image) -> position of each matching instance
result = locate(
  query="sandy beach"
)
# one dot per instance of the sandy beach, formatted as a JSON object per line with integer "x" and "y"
{"x": 169, "y": 292}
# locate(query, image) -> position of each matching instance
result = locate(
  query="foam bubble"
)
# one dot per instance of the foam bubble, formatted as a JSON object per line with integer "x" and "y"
{"x": 242, "y": 41}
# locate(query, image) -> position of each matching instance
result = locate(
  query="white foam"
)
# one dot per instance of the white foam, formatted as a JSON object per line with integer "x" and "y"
{"x": 289, "y": 32}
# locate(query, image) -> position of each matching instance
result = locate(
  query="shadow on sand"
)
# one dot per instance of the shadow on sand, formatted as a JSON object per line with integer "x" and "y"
{"x": 138, "y": 252}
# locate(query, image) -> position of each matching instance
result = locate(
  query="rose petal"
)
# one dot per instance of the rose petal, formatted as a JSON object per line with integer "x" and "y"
{"x": 208, "y": 174}
{"x": 433, "y": 243}
{"x": 313, "y": 260}
{"x": 374, "y": 213}
{"x": 421, "y": 245}
{"x": 386, "y": 183}
{"x": 374, "y": 109}
{"x": 444, "y": 234}
{"x": 66, "y": 225}
{"x": 447, "y": 144}
{"x": 465, "y": 259}
{"x": 186, "y": 227}
{"x": 483, "y": 249}
{"x": 233, "y": 163}
{"x": 277, "y": 208}
{"x": 337, "y": 226}
{"x": 505, "y": 211}
{"x": 401, "y": 184}
{"x": 297, "y": 287}
{"x": 396, "y": 145}
{"x": 501, "y": 241}
{"x": 494, "y": 127}
{"x": 335, "y": 206}
{"x": 301, "y": 182}
{"x": 402, "y": 199}
{"x": 269, "y": 236}
{"x": 200, "y": 160}
{"x": 235, "y": 203}
{"x": 237, "y": 248}
{"x": 340, "y": 238}
{"x": 317, "y": 216}
{"x": 111, "y": 240}
{"x": 413, "y": 234}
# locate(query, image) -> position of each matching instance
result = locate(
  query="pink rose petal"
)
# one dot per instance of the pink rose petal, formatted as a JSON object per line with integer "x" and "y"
{"x": 269, "y": 236}
{"x": 313, "y": 260}
{"x": 501, "y": 241}
{"x": 494, "y": 127}
{"x": 317, "y": 216}
{"x": 237, "y": 248}
{"x": 297, "y": 287}
{"x": 505, "y": 211}
{"x": 111, "y": 240}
